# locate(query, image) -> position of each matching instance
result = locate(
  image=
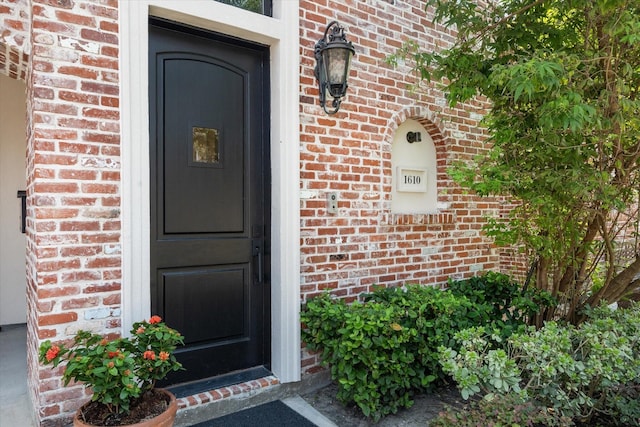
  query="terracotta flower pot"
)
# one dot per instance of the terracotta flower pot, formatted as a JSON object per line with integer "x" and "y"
{"x": 165, "y": 419}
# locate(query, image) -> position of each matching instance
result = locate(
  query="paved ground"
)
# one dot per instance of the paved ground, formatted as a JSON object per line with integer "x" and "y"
{"x": 425, "y": 408}
{"x": 15, "y": 409}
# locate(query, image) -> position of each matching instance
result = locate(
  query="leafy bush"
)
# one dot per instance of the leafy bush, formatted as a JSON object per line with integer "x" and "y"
{"x": 506, "y": 305}
{"x": 433, "y": 316}
{"x": 478, "y": 365}
{"x": 583, "y": 372}
{"x": 385, "y": 349}
{"x": 381, "y": 353}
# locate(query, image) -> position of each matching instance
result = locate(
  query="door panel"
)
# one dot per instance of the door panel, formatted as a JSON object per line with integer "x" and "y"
{"x": 213, "y": 101}
{"x": 196, "y": 293}
{"x": 209, "y": 198}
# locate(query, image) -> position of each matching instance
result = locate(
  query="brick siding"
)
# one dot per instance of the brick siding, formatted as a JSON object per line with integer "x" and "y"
{"x": 14, "y": 38}
{"x": 73, "y": 190}
{"x": 350, "y": 153}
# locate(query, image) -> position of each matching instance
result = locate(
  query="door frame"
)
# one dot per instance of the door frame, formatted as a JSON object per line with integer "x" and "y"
{"x": 280, "y": 33}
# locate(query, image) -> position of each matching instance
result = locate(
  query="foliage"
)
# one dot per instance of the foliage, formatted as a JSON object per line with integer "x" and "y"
{"x": 592, "y": 370}
{"x": 563, "y": 83}
{"x": 432, "y": 316}
{"x": 385, "y": 349}
{"x": 508, "y": 305}
{"x": 479, "y": 365}
{"x": 374, "y": 349}
{"x": 117, "y": 370}
{"x": 252, "y": 5}
{"x": 509, "y": 410}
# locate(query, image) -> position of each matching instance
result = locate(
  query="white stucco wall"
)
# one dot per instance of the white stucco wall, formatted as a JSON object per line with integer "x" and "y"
{"x": 419, "y": 156}
{"x": 13, "y": 306}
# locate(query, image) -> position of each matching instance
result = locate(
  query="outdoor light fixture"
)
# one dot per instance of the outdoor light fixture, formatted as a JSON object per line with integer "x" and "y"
{"x": 414, "y": 137}
{"x": 333, "y": 55}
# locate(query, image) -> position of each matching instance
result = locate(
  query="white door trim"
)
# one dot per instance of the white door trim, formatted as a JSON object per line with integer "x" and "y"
{"x": 280, "y": 33}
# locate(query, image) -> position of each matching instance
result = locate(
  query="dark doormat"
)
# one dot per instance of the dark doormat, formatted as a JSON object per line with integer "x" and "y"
{"x": 269, "y": 414}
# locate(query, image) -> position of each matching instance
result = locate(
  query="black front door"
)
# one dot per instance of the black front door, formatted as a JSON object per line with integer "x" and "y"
{"x": 209, "y": 198}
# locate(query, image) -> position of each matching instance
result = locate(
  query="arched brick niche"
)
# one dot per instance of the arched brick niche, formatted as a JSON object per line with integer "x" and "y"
{"x": 432, "y": 125}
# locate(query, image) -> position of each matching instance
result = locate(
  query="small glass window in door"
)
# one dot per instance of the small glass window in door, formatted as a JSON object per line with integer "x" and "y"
{"x": 206, "y": 145}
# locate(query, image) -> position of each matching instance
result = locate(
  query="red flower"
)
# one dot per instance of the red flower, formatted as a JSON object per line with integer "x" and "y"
{"x": 140, "y": 330}
{"x": 164, "y": 355}
{"x": 104, "y": 342}
{"x": 149, "y": 355}
{"x": 155, "y": 319}
{"x": 52, "y": 353}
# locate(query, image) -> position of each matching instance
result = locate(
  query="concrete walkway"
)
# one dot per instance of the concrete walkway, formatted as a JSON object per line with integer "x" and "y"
{"x": 14, "y": 402}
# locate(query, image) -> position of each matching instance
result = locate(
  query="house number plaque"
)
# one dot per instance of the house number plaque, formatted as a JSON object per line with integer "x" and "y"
{"x": 411, "y": 179}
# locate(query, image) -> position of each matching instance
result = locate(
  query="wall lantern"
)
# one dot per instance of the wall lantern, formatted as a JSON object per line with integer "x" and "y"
{"x": 333, "y": 55}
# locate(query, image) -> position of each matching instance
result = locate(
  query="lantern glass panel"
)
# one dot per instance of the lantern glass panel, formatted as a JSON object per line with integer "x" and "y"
{"x": 336, "y": 62}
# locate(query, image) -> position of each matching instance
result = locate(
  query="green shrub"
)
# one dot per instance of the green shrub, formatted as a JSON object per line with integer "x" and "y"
{"x": 434, "y": 316}
{"x": 506, "y": 305}
{"x": 478, "y": 366}
{"x": 384, "y": 350}
{"x": 583, "y": 372}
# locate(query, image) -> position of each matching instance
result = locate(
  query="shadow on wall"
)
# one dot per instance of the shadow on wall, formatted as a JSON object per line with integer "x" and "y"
{"x": 13, "y": 306}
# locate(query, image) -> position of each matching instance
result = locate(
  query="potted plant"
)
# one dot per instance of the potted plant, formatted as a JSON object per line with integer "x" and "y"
{"x": 121, "y": 373}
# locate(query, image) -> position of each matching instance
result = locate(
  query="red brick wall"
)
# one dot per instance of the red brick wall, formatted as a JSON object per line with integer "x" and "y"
{"x": 73, "y": 228}
{"x": 14, "y": 38}
{"x": 514, "y": 261}
{"x": 350, "y": 153}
